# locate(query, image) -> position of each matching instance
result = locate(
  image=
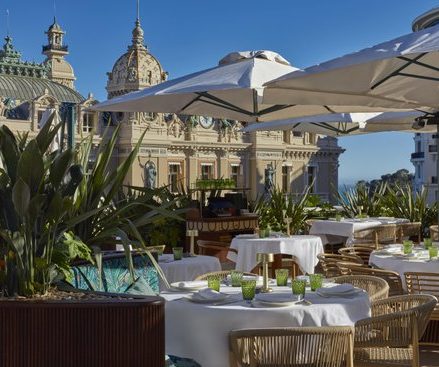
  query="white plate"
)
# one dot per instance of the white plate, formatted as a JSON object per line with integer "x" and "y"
{"x": 189, "y": 286}
{"x": 277, "y": 299}
{"x": 197, "y": 299}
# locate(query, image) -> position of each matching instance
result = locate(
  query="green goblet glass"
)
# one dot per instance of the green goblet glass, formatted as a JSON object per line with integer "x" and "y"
{"x": 248, "y": 287}
{"x": 433, "y": 251}
{"x": 178, "y": 253}
{"x": 407, "y": 247}
{"x": 428, "y": 242}
{"x": 315, "y": 281}
{"x": 214, "y": 282}
{"x": 281, "y": 277}
{"x": 236, "y": 278}
{"x": 298, "y": 287}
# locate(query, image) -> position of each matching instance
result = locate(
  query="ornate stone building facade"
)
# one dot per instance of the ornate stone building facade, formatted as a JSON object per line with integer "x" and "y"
{"x": 175, "y": 149}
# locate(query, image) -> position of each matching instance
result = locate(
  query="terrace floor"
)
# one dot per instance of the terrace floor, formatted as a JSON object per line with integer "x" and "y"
{"x": 429, "y": 356}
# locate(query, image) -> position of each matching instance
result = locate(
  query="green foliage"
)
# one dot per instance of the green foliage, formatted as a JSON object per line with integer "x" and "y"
{"x": 275, "y": 207}
{"x": 362, "y": 200}
{"x": 33, "y": 206}
{"x": 115, "y": 210}
{"x": 404, "y": 202}
{"x": 68, "y": 248}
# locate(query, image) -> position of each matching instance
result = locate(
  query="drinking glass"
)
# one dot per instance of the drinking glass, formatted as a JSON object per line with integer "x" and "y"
{"x": 315, "y": 281}
{"x": 298, "y": 287}
{"x": 214, "y": 282}
{"x": 338, "y": 217}
{"x": 433, "y": 251}
{"x": 248, "y": 287}
{"x": 236, "y": 278}
{"x": 281, "y": 277}
{"x": 428, "y": 242}
{"x": 178, "y": 253}
{"x": 408, "y": 247}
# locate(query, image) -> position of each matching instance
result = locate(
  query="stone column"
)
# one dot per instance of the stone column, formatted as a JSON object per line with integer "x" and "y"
{"x": 223, "y": 164}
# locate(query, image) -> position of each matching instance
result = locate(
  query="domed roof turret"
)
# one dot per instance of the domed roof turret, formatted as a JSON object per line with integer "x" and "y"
{"x": 136, "y": 69}
{"x": 55, "y": 26}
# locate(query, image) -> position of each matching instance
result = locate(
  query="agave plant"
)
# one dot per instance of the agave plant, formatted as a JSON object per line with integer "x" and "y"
{"x": 362, "y": 200}
{"x": 404, "y": 202}
{"x": 35, "y": 196}
{"x": 103, "y": 187}
{"x": 274, "y": 208}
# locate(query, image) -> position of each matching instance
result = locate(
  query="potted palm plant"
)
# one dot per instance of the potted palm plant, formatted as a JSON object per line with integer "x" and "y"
{"x": 50, "y": 327}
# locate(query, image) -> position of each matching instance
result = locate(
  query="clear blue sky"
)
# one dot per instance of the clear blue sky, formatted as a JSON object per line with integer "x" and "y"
{"x": 191, "y": 35}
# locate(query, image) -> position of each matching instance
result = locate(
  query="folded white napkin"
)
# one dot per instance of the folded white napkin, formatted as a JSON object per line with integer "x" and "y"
{"x": 208, "y": 293}
{"x": 192, "y": 284}
{"x": 276, "y": 297}
{"x": 345, "y": 288}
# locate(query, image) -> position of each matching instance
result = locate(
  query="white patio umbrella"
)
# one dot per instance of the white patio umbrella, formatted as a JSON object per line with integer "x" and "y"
{"x": 401, "y": 73}
{"x": 343, "y": 124}
{"x": 233, "y": 90}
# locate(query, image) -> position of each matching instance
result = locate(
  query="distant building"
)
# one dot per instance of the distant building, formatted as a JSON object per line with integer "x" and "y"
{"x": 175, "y": 149}
{"x": 425, "y": 155}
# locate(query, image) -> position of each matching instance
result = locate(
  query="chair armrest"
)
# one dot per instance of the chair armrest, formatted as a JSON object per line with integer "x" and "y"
{"x": 395, "y": 330}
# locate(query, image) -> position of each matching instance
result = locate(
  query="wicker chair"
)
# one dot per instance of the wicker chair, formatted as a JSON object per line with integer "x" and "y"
{"x": 299, "y": 346}
{"x": 375, "y": 287}
{"x": 329, "y": 262}
{"x": 217, "y": 249}
{"x": 434, "y": 232}
{"x": 391, "y": 336}
{"x": 221, "y": 274}
{"x": 426, "y": 283}
{"x": 392, "y": 278}
{"x": 379, "y": 235}
{"x": 411, "y": 230}
{"x": 361, "y": 251}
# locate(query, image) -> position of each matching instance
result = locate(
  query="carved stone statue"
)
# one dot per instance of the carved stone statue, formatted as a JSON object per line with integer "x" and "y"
{"x": 269, "y": 178}
{"x": 150, "y": 175}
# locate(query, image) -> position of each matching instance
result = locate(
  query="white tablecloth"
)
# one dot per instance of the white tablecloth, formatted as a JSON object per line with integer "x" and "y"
{"x": 201, "y": 331}
{"x": 187, "y": 268}
{"x": 346, "y": 227}
{"x": 304, "y": 248}
{"x": 401, "y": 264}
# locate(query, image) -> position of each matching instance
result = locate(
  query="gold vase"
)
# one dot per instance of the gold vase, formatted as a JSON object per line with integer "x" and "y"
{"x": 265, "y": 259}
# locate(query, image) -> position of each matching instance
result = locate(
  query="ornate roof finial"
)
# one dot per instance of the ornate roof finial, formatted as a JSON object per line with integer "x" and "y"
{"x": 138, "y": 39}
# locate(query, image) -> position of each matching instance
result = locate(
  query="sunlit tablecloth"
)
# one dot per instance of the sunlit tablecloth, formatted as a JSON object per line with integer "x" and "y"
{"x": 201, "y": 332}
{"x": 403, "y": 264}
{"x": 345, "y": 228}
{"x": 187, "y": 268}
{"x": 304, "y": 248}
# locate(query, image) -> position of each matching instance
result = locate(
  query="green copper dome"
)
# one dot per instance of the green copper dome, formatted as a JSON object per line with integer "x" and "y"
{"x": 25, "y": 88}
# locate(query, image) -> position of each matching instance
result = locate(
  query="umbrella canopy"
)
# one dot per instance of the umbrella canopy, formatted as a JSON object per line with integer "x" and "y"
{"x": 347, "y": 124}
{"x": 233, "y": 90}
{"x": 398, "y": 74}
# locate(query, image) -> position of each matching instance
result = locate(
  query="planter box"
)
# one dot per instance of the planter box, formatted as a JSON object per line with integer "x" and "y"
{"x": 119, "y": 331}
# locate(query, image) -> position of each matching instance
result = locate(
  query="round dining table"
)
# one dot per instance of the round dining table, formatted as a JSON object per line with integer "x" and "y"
{"x": 345, "y": 228}
{"x": 201, "y": 331}
{"x": 304, "y": 248}
{"x": 392, "y": 258}
{"x": 188, "y": 268}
